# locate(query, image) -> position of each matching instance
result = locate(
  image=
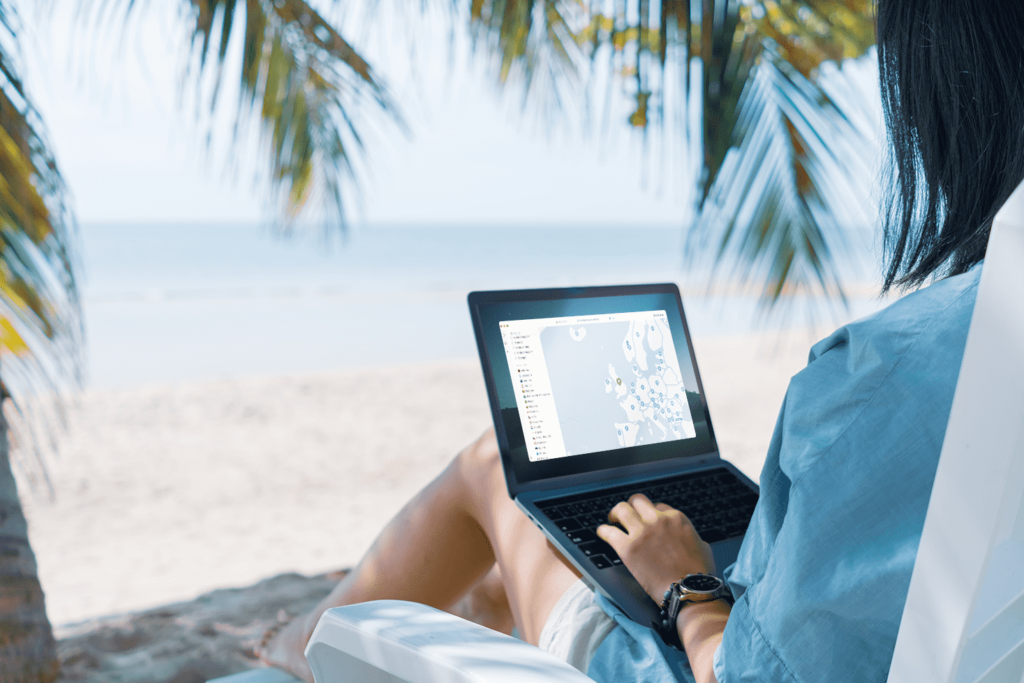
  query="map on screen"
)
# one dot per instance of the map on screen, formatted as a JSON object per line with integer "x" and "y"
{"x": 599, "y": 383}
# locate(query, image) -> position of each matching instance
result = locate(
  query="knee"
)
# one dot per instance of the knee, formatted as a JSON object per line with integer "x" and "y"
{"x": 480, "y": 462}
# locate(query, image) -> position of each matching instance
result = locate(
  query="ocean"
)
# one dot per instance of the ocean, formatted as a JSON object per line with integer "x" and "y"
{"x": 166, "y": 304}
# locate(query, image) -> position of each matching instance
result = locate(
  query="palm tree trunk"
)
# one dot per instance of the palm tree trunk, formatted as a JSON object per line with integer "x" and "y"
{"x": 28, "y": 652}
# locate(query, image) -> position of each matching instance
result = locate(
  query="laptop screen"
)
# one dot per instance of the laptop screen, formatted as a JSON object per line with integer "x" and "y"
{"x": 590, "y": 383}
{"x": 590, "y": 378}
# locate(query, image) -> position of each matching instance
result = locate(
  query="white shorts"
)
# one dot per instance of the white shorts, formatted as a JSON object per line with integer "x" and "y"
{"x": 576, "y": 627}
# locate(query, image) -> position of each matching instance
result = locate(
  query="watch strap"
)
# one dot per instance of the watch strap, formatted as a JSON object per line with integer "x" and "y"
{"x": 677, "y": 597}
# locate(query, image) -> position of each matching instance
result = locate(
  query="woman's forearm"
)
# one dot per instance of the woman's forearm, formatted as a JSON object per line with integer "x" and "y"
{"x": 700, "y": 630}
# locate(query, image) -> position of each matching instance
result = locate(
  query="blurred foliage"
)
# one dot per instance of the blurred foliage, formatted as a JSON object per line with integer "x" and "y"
{"x": 40, "y": 325}
{"x": 770, "y": 134}
{"x": 304, "y": 81}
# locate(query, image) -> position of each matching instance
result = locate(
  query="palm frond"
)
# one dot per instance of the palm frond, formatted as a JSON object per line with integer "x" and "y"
{"x": 769, "y": 129}
{"x": 775, "y": 140}
{"x": 300, "y": 81}
{"x": 766, "y": 209}
{"x": 536, "y": 43}
{"x": 306, "y": 84}
{"x": 40, "y": 316}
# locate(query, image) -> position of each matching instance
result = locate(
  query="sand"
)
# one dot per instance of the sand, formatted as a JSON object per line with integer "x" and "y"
{"x": 165, "y": 493}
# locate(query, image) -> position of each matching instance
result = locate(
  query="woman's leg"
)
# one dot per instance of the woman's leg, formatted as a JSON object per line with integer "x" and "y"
{"x": 440, "y": 545}
{"x": 486, "y": 603}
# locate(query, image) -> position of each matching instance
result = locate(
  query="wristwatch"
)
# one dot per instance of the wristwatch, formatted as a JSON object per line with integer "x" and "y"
{"x": 692, "y": 589}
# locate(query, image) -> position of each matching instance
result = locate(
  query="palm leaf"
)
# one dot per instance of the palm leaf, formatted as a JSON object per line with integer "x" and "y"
{"x": 769, "y": 211}
{"x": 300, "y": 81}
{"x": 769, "y": 131}
{"x": 766, "y": 203}
{"x": 40, "y": 315}
{"x": 536, "y": 44}
{"x": 305, "y": 83}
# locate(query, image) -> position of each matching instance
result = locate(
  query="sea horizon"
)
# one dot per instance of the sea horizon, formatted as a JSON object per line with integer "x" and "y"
{"x": 169, "y": 303}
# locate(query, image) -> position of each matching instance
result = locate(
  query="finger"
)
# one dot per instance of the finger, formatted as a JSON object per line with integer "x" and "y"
{"x": 686, "y": 520}
{"x": 625, "y": 515}
{"x": 612, "y": 535}
{"x": 644, "y": 507}
{"x": 663, "y": 507}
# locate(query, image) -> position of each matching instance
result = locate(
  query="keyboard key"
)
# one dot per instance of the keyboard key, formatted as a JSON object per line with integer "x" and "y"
{"x": 600, "y": 561}
{"x": 568, "y": 524}
{"x": 595, "y": 548}
{"x": 611, "y": 555}
{"x": 582, "y": 536}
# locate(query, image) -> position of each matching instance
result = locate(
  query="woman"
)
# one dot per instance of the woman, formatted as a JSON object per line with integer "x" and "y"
{"x": 825, "y": 566}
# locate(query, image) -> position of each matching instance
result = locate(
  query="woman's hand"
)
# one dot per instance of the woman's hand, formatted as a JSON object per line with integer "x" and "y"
{"x": 659, "y": 545}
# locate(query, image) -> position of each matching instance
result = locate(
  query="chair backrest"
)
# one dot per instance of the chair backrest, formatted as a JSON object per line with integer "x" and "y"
{"x": 964, "y": 618}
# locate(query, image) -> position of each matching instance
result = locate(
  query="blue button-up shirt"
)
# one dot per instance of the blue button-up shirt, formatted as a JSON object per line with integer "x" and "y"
{"x": 824, "y": 570}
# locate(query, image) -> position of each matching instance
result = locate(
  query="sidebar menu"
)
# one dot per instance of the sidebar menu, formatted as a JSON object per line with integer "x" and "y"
{"x": 543, "y": 433}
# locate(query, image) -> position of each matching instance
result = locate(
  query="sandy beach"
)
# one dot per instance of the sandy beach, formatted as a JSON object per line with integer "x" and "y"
{"x": 165, "y": 493}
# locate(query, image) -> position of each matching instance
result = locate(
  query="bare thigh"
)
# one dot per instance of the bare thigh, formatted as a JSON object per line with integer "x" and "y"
{"x": 534, "y": 573}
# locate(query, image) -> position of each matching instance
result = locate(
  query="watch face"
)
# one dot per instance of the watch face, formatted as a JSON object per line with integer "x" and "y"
{"x": 701, "y": 583}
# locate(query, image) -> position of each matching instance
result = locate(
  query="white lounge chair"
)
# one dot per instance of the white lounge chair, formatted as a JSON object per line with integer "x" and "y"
{"x": 391, "y": 641}
{"x": 964, "y": 618}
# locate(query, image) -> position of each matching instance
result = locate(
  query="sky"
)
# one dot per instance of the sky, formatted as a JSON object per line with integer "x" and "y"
{"x": 131, "y": 152}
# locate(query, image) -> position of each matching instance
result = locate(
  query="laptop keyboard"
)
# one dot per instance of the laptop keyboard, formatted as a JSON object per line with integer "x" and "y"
{"x": 716, "y": 502}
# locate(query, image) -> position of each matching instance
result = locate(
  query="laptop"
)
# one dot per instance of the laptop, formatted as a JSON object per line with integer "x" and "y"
{"x": 596, "y": 395}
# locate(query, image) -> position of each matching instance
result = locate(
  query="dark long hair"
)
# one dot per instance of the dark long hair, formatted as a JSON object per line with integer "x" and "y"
{"x": 952, "y": 75}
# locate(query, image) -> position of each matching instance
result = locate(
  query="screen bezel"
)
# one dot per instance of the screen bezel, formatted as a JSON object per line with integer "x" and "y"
{"x": 521, "y": 474}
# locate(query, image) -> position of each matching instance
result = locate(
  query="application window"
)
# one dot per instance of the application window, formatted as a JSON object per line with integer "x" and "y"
{"x": 594, "y": 383}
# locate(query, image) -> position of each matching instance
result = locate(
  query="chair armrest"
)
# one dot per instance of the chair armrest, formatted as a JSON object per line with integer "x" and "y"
{"x": 390, "y": 640}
